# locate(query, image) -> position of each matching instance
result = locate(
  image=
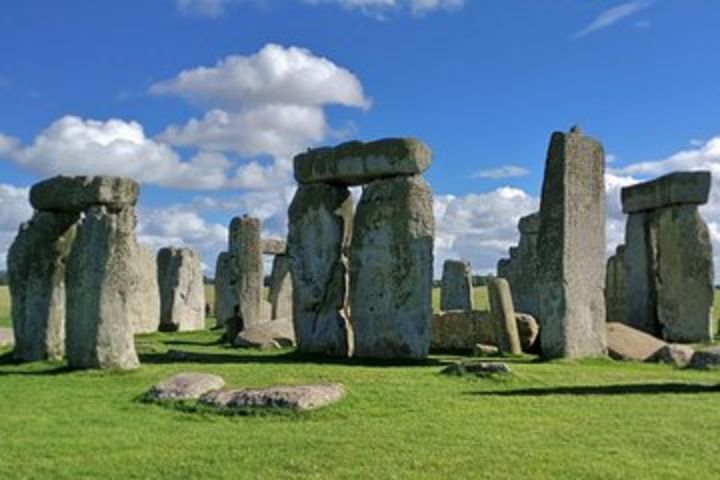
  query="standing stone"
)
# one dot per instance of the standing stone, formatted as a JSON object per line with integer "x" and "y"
{"x": 638, "y": 280}
{"x": 521, "y": 269}
{"x": 99, "y": 290}
{"x": 571, "y": 246}
{"x": 391, "y": 267}
{"x": 503, "y": 316}
{"x": 246, "y": 275}
{"x": 145, "y": 302}
{"x": 615, "y": 300}
{"x": 182, "y": 292}
{"x": 224, "y": 293}
{"x": 319, "y": 221}
{"x": 456, "y": 290}
{"x": 36, "y": 274}
{"x": 281, "y": 290}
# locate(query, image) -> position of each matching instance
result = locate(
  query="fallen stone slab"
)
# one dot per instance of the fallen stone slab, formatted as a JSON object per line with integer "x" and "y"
{"x": 481, "y": 369}
{"x": 357, "y": 163}
{"x": 75, "y": 194}
{"x": 298, "y": 397}
{"x": 673, "y": 354}
{"x": 706, "y": 358}
{"x": 185, "y": 386}
{"x": 679, "y": 188}
{"x": 627, "y": 343}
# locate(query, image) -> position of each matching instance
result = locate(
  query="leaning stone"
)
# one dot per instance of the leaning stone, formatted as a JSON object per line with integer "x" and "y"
{"x": 528, "y": 330}
{"x": 615, "y": 291}
{"x": 36, "y": 272}
{"x": 99, "y": 288}
{"x": 145, "y": 303}
{"x": 706, "y": 358}
{"x": 456, "y": 291}
{"x": 502, "y": 313}
{"x": 273, "y": 246}
{"x": 182, "y": 292}
{"x": 627, "y": 343}
{"x": 391, "y": 267}
{"x": 320, "y": 219}
{"x": 673, "y": 354}
{"x": 299, "y": 397}
{"x": 571, "y": 248}
{"x": 357, "y": 163}
{"x": 483, "y": 350}
{"x": 76, "y": 194}
{"x": 679, "y": 188}
{"x": 481, "y": 369}
{"x": 281, "y": 290}
{"x": 185, "y": 386}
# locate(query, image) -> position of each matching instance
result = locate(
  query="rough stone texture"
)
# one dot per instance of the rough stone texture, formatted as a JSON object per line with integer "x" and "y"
{"x": 391, "y": 266}
{"x": 502, "y": 314}
{"x": 76, "y": 194}
{"x": 298, "y": 397}
{"x": 678, "y": 188}
{"x": 319, "y": 230}
{"x": 7, "y": 338}
{"x": 224, "y": 293}
{"x": 627, "y": 343}
{"x": 456, "y": 291}
{"x": 475, "y": 367}
{"x": 483, "y": 350}
{"x": 185, "y": 386}
{"x": 182, "y": 293}
{"x": 571, "y": 244}
{"x": 706, "y": 358}
{"x": 274, "y": 246}
{"x": 272, "y": 334}
{"x": 638, "y": 279}
{"x": 254, "y": 339}
{"x": 99, "y": 289}
{"x": 615, "y": 300}
{"x": 145, "y": 303}
{"x": 281, "y": 290}
{"x": 521, "y": 269}
{"x": 673, "y": 354}
{"x": 528, "y": 330}
{"x": 357, "y": 163}
{"x": 36, "y": 273}
{"x": 461, "y": 330}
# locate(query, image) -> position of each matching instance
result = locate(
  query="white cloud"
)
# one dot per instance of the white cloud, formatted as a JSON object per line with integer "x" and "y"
{"x": 14, "y": 210}
{"x": 202, "y": 8}
{"x": 613, "y": 15}
{"x": 507, "y": 171}
{"x": 377, "y": 7}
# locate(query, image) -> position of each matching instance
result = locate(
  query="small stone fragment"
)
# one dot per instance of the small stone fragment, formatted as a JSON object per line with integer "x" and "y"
{"x": 528, "y": 330}
{"x": 706, "y": 358}
{"x": 673, "y": 354}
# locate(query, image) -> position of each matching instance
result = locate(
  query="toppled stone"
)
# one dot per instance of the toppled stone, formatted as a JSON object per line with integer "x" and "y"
{"x": 481, "y": 369}
{"x": 145, "y": 303}
{"x": 456, "y": 292}
{"x": 627, "y": 343}
{"x": 299, "y": 397}
{"x": 615, "y": 293}
{"x": 528, "y": 330}
{"x": 678, "y": 188}
{"x": 273, "y": 246}
{"x": 502, "y": 313}
{"x": 182, "y": 292}
{"x": 673, "y": 354}
{"x": 483, "y": 350}
{"x": 357, "y": 163}
{"x": 76, "y": 194}
{"x": 391, "y": 268}
{"x": 185, "y": 386}
{"x": 571, "y": 246}
{"x": 706, "y": 358}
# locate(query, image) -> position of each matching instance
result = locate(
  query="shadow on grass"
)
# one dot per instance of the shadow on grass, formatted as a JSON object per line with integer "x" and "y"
{"x": 607, "y": 390}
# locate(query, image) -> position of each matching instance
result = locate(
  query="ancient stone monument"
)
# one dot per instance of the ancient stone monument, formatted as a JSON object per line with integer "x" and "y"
{"x": 520, "y": 270}
{"x": 456, "y": 288}
{"x": 389, "y": 270}
{"x": 571, "y": 246}
{"x": 502, "y": 313}
{"x": 668, "y": 259}
{"x": 182, "y": 292}
{"x": 281, "y": 288}
{"x": 145, "y": 308}
{"x": 615, "y": 290}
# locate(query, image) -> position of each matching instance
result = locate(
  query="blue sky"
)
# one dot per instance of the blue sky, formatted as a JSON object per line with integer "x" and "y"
{"x": 96, "y": 87}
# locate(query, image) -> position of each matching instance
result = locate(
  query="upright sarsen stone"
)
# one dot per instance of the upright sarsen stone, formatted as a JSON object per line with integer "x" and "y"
{"x": 182, "y": 292}
{"x": 145, "y": 302}
{"x": 638, "y": 265}
{"x": 224, "y": 307}
{"x": 456, "y": 289}
{"x": 520, "y": 270}
{"x": 615, "y": 289}
{"x": 245, "y": 274}
{"x": 36, "y": 273}
{"x": 319, "y": 229}
{"x": 281, "y": 290}
{"x": 571, "y": 246}
{"x": 391, "y": 267}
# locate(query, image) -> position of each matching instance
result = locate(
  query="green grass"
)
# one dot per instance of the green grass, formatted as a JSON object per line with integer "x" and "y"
{"x": 5, "y": 307}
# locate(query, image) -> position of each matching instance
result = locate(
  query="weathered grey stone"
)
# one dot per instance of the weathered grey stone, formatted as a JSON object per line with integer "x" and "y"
{"x": 638, "y": 264}
{"x": 615, "y": 290}
{"x": 521, "y": 269}
{"x": 271, "y": 334}
{"x": 483, "y": 350}
{"x": 462, "y": 330}
{"x": 528, "y": 330}
{"x": 274, "y": 246}
{"x": 185, "y": 386}
{"x": 627, "y": 343}
{"x": 224, "y": 293}
{"x": 673, "y": 354}
{"x": 706, "y": 358}
{"x": 678, "y": 188}
{"x": 145, "y": 302}
{"x": 319, "y": 230}
{"x": 529, "y": 224}
{"x": 475, "y": 367}
{"x": 456, "y": 290}
{"x": 99, "y": 289}
{"x": 254, "y": 339}
{"x": 297, "y": 397}
{"x": 182, "y": 292}
{"x": 281, "y": 291}
{"x": 75, "y": 194}
{"x": 36, "y": 273}
{"x": 571, "y": 244}
{"x": 502, "y": 314}
{"x": 357, "y": 163}
{"x": 391, "y": 266}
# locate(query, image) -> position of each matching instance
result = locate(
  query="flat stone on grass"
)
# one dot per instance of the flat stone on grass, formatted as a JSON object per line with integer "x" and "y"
{"x": 627, "y": 343}
{"x": 185, "y": 386}
{"x": 479, "y": 368}
{"x": 298, "y": 397}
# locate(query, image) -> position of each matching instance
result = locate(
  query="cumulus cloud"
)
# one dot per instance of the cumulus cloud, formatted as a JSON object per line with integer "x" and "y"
{"x": 14, "y": 209}
{"x": 614, "y": 15}
{"x": 507, "y": 171}
{"x": 375, "y": 7}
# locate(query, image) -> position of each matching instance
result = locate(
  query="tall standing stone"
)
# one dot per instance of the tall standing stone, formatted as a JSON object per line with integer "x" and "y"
{"x": 182, "y": 292}
{"x": 246, "y": 274}
{"x": 520, "y": 270}
{"x": 145, "y": 303}
{"x": 615, "y": 289}
{"x": 100, "y": 288}
{"x": 224, "y": 307}
{"x": 319, "y": 221}
{"x": 571, "y": 246}
{"x": 36, "y": 273}
{"x": 391, "y": 267}
{"x": 502, "y": 313}
{"x": 638, "y": 279}
{"x": 281, "y": 290}
{"x": 456, "y": 289}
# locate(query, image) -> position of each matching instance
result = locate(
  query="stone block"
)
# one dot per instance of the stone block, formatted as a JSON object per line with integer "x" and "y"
{"x": 678, "y": 188}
